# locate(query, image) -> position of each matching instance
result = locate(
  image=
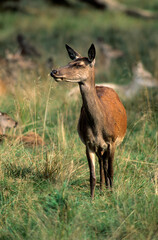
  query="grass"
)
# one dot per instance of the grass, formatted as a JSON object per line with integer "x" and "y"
{"x": 44, "y": 191}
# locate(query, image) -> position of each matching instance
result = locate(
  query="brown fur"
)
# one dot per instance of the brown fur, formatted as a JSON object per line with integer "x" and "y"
{"x": 116, "y": 113}
{"x": 103, "y": 122}
{"x": 6, "y": 122}
{"x": 31, "y": 139}
{"x": 3, "y": 88}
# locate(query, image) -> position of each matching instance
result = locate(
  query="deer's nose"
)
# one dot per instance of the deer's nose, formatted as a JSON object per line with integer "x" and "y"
{"x": 53, "y": 72}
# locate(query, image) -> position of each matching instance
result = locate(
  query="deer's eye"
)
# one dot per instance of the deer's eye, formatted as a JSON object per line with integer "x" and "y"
{"x": 78, "y": 65}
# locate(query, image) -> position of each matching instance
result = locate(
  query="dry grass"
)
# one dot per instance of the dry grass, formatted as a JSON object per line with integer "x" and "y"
{"x": 44, "y": 190}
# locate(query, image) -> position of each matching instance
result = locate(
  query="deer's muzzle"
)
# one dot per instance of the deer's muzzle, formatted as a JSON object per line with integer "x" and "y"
{"x": 53, "y": 73}
{"x": 56, "y": 77}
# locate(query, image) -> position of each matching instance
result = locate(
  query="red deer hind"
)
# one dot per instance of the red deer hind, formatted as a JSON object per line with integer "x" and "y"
{"x": 103, "y": 122}
{"x": 6, "y": 122}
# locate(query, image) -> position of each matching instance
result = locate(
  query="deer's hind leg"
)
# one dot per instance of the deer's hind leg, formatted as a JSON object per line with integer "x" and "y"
{"x": 110, "y": 165}
{"x": 105, "y": 166}
{"x": 102, "y": 178}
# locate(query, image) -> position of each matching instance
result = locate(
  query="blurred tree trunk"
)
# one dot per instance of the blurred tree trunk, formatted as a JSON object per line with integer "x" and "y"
{"x": 60, "y": 2}
{"x": 12, "y": 5}
{"x": 96, "y": 4}
{"x": 116, "y": 6}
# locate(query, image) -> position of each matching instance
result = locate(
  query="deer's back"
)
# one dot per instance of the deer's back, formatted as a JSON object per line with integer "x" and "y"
{"x": 114, "y": 115}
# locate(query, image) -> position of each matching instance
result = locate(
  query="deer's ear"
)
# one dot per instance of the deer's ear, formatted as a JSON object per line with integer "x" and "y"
{"x": 91, "y": 53}
{"x": 72, "y": 53}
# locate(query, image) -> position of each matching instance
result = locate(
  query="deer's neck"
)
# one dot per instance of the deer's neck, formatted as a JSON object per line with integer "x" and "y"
{"x": 91, "y": 102}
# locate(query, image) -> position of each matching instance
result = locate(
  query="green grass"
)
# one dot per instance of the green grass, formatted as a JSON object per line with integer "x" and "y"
{"x": 44, "y": 191}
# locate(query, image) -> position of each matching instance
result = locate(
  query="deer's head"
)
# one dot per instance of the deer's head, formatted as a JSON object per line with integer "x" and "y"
{"x": 78, "y": 70}
{"x": 6, "y": 122}
{"x": 142, "y": 77}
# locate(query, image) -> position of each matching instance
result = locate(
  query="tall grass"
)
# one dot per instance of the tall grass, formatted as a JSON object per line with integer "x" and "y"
{"x": 44, "y": 191}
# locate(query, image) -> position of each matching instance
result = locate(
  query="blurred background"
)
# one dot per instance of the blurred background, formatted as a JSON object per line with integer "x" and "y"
{"x": 50, "y": 180}
{"x": 33, "y": 36}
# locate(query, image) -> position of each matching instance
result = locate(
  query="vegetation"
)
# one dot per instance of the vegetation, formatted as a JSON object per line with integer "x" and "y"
{"x": 44, "y": 191}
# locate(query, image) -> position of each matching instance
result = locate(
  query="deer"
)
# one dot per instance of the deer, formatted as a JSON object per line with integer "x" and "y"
{"x": 6, "y": 122}
{"x": 108, "y": 53}
{"x": 102, "y": 123}
{"x": 26, "y": 49}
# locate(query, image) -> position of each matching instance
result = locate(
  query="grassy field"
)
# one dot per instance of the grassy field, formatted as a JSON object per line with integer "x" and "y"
{"x": 44, "y": 191}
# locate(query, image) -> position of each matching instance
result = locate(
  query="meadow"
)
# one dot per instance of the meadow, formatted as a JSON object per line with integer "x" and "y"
{"x": 44, "y": 190}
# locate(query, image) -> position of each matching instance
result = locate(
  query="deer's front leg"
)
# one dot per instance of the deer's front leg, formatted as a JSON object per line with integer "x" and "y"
{"x": 102, "y": 179}
{"x": 91, "y": 162}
